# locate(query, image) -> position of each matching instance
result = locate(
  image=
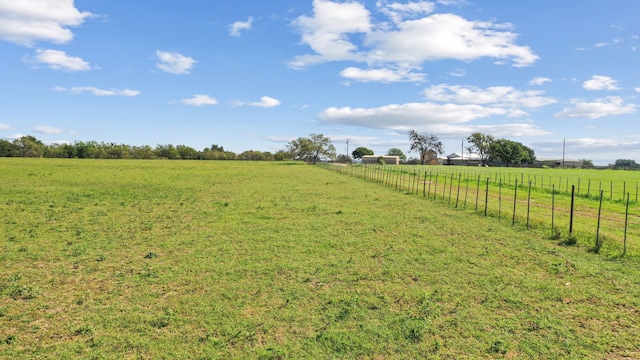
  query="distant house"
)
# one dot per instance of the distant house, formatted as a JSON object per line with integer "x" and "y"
{"x": 373, "y": 159}
{"x": 461, "y": 159}
{"x": 555, "y": 162}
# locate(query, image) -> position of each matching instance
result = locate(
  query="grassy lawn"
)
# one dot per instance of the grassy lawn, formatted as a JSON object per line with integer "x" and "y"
{"x": 610, "y": 227}
{"x": 219, "y": 260}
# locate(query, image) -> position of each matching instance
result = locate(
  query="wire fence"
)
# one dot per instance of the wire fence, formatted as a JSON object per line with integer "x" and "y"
{"x": 603, "y": 214}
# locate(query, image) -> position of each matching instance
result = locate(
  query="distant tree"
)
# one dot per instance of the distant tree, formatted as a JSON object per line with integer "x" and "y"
{"x": 397, "y": 152}
{"x": 299, "y": 149}
{"x": 58, "y": 151}
{"x": 187, "y": 152}
{"x": 587, "y": 164}
{"x": 412, "y": 161}
{"x": 143, "y": 152}
{"x": 311, "y": 149}
{"x": 344, "y": 159}
{"x": 8, "y": 149}
{"x": 281, "y": 155}
{"x": 167, "y": 152}
{"x": 359, "y": 152}
{"x": 29, "y": 146}
{"x": 255, "y": 155}
{"x": 480, "y": 144}
{"x": 625, "y": 164}
{"x": 428, "y": 146}
{"x": 511, "y": 152}
{"x": 85, "y": 150}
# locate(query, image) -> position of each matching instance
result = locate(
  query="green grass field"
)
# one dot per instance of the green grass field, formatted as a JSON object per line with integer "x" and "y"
{"x": 218, "y": 260}
{"x": 603, "y": 221}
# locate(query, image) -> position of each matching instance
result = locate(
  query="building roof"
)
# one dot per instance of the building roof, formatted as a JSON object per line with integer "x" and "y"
{"x": 467, "y": 156}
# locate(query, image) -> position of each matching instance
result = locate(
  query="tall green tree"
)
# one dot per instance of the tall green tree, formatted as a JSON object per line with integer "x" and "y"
{"x": 359, "y": 152}
{"x": 480, "y": 144}
{"x": 511, "y": 152}
{"x": 397, "y": 152}
{"x": 428, "y": 146}
{"x": 7, "y": 148}
{"x": 625, "y": 164}
{"x": 311, "y": 149}
{"x": 29, "y": 146}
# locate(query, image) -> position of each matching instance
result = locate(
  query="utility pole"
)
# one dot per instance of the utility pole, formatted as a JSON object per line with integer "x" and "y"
{"x": 462, "y": 150}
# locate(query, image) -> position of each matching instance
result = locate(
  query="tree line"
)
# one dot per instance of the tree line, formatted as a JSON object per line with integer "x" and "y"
{"x": 314, "y": 148}
{"x": 29, "y": 146}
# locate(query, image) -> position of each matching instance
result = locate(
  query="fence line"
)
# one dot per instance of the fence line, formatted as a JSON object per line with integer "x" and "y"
{"x": 555, "y": 204}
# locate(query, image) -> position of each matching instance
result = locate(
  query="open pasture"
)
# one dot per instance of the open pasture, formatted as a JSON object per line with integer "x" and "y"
{"x": 217, "y": 260}
{"x": 606, "y": 210}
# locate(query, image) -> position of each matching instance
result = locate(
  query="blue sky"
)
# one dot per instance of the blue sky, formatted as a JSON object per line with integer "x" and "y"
{"x": 252, "y": 75}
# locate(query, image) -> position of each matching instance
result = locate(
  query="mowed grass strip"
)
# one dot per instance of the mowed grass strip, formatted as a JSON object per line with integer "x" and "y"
{"x": 179, "y": 259}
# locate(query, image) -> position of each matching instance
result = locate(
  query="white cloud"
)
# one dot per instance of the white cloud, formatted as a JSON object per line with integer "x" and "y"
{"x": 398, "y": 12}
{"x": 405, "y": 43}
{"x": 598, "y": 82}
{"x": 26, "y": 22}
{"x": 4, "y": 127}
{"x": 448, "y": 120}
{"x": 503, "y": 96}
{"x": 327, "y": 32}
{"x": 174, "y": 63}
{"x": 97, "y": 91}
{"x": 637, "y": 89}
{"x": 539, "y": 81}
{"x": 612, "y": 105}
{"x": 44, "y": 129}
{"x": 408, "y": 116}
{"x": 15, "y": 136}
{"x": 266, "y": 102}
{"x": 448, "y": 36}
{"x": 614, "y": 41}
{"x": 59, "y": 60}
{"x": 199, "y": 100}
{"x": 458, "y": 72}
{"x": 381, "y": 75}
{"x": 238, "y": 26}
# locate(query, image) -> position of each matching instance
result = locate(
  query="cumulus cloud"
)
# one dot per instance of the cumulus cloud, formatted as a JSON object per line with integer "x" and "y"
{"x": 539, "y": 81}
{"x": 612, "y": 105}
{"x": 398, "y": 12}
{"x": 27, "y": 22}
{"x": 598, "y": 82}
{"x": 266, "y": 102}
{"x": 199, "y": 100}
{"x": 446, "y": 120}
{"x": 347, "y": 32}
{"x": 44, "y": 129}
{"x": 495, "y": 95}
{"x": 237, "y": 27}
{"x": 381, "y": 75}
{"x": 326, "y": 32}
{"x": 97, "y": 91}
{"x": 174, "y": 63}
{"x": 458, "y": 72}
{"x": 15, "y": 136}
{"x": 408, "y": 116}
{"x": 59, "y": 60}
